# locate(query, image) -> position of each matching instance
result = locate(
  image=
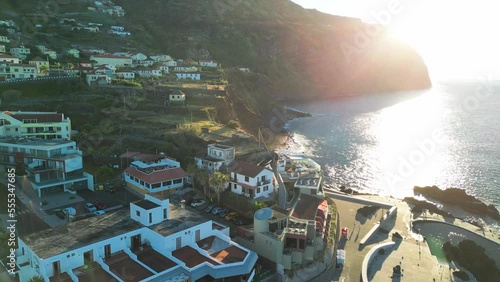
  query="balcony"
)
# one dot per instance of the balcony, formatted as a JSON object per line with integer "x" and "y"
{"x": 265, "y": 182}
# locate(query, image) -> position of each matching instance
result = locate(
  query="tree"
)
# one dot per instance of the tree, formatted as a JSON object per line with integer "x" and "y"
{"x": 44, "y": 69}
{"x": 202, "y": 178}
{"x": 218, "y": 182}
{"x": 36, "y": 278}
{"x": 191, "y": 171}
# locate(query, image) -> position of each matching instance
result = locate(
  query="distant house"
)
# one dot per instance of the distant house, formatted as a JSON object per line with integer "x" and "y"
{"x": 148, "y": 72}
{"x": 4, "y": 39}
{"x": 185, "y": 69}
{"x": 146, "y": 62}
{"x": 208, "y": 63}
{"x": 125, "y": 75}
{"x": 39, "y": 63}
{"x": 252, "y": 181}
{"x": 117, "y": 28}
{"x": 164, "y": 69}
{"x": 309, "y": 185}
{"x": 192, "y": 62}
{"x": 105, "y": 70}
{"x": 110, "y": 59}
{"x": 177, "y": 97}
{"x": 22, "y": 71}
{"x": 153, "y": 173}
{"x": 51, "y": 53}
{"x": 2, "y": 48}
{"x": 139, "y": 57}
{"x": 218, "y": 155}
{"x": 94, "y": 79}
{"x": 171, "y": 63}
{"x": 21, "y": 52}
{"x": 85, "y": 67}
{"x": 9, "y": 59}
{"x": 193, "y": 76}
{"x": 161, "y": 58}
{"x": 41, "y": 47}
{"x": 74, "y": 52}
{"x": 244, "y": 69}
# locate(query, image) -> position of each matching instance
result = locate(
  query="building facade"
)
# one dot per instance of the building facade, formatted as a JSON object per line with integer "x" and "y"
{"x": 50, "y": 165}
{"x": 251, "y": 181}
{"x": 193, "y": 76}
{"x": 109, "y": 59}
{"x": 218, "y": 155}
{"x": 43, "y": 125}
{"x": 154, "y": 173}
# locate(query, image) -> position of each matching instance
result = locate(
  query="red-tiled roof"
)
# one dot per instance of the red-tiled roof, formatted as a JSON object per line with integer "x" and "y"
{"x": 7, "y": 56}
{"x": 307, "y": 206}
{"x": 41, "y": 117}
{"x": 158, "y": 175}
{"x": 230, "y": 255}
{"x": 246, "y": 169}
{"x": 191, "y": 257}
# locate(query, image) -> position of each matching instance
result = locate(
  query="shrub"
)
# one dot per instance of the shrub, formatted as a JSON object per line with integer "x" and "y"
{"x": 233, "y": 124}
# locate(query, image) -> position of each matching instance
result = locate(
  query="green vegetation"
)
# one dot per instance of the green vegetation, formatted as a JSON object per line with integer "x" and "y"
{"x": 473, "y": 257}
{"x": 126, "y": 82}
{"x": 218, "y": 183}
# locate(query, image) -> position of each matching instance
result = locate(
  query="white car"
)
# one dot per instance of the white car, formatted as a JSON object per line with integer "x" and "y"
{"x": 197, "y": 203}
{"x": 99, "y": 212}
{"x": 90, "y": 207}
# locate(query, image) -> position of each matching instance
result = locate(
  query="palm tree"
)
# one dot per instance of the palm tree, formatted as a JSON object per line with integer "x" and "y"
{"x": 58, "y": 66}
{"x": 36, "y": 278}
{"x": 218, "y": 182}
{"x": 191, "y": 171}
{"x": 202, "y": 178}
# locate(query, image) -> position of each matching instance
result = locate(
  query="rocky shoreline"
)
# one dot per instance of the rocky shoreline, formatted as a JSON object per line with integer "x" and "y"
{"x": 457, "y": 197}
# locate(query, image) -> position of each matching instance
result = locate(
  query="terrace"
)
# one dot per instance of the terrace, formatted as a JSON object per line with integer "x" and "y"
{"x": 191, "y": 257}
{"x": 126, "y": 268}
{"x": 93, "y": 272}
{"x": 154, "y": 260}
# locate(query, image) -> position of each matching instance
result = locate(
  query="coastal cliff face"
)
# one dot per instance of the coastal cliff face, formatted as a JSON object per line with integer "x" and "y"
{"x": 293, "y": 53}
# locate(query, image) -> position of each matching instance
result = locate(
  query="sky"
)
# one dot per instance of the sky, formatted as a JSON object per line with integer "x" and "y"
{"x": 457, "y": 39}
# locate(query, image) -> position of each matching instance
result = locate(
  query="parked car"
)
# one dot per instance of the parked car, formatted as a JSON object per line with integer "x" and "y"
{"x": 217, "y": 210}
{"x": 223, "y": 213}
{"x": 100, "y": 205}
{"x": 197, "y": 203}
{"x": 230, "y": 216}
{"x": 99, "y": 212}
{"x": 237, "y": 221}
{"x": 209, "y": 208}
{"x": 90, "y": 207}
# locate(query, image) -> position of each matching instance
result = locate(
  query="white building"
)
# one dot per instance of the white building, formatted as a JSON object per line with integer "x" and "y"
{"x": 39, "y": 63}
{"x": 51, "y": 53}
{"x": 94, "y": 79}
{"x": 251, "y": 181}
{"x": 21, "y": 71}
{"x": 74, "y": 52}
{"x": 153, "y": 173}
{"x": 9, "y": 59}
{"x": 292, "y": 165}
{"x": 2, "y": 48}
{"x": 161, "y": 58}
{"x": 109, "y": 59}
{"x": 178, "y": 97}
{"x": 193, "y": 76}
{"x": 4, "y": 39}
{"x": 43, "y": 125}
{"x": 117, "y": 28}
{"x": 208, "y": 63}
{"x": 148, "y": 72}
{"x": 171, "y": 63}
{"x": 21, "y": 52}
{"x": 51, "y": 165}
{"x": 153, "y": 241}
{"x": 139, "y": 57}
{"x": 309, "y": 185}
{"x": 185, "y": 69}
{"x": 217, "y": 156}
{"x": 125, "y": 75}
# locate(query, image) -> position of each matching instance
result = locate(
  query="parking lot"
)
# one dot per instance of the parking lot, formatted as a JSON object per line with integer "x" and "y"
{"x": 114, "y": 200}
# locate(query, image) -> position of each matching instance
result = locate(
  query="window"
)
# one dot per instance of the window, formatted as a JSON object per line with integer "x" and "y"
{"x": 150, "y": 217}
{"x": 138, "y": 213}
{"x": 164, "y": 213}
{"x": 266, "y": 188}
{"x": 247, "y": 178}
{"x": 258, "y": 190}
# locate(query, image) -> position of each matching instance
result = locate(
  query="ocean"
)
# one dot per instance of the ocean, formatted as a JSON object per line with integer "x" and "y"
{"x": 387, "y": 143}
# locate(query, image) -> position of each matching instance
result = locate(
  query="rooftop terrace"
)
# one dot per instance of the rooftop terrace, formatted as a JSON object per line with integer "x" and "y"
{"x": 127, "y": 269}
{"x": 191, "y": 257}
